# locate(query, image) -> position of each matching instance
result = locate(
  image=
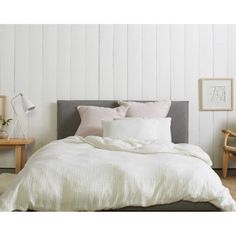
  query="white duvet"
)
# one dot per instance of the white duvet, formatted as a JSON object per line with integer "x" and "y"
{"x": 95, "y": 173}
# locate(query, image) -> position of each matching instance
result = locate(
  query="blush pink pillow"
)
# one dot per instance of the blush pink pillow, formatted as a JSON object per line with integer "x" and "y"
{"x": 147, "y": 109}
{"x": 92, "y": 117}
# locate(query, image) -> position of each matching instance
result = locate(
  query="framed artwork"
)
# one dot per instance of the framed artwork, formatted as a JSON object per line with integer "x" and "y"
{"x": 216, "y": 94}
{"x": 3, "y": 103}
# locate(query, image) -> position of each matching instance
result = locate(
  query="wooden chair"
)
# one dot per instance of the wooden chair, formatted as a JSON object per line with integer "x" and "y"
{"x": 229, "y": 152}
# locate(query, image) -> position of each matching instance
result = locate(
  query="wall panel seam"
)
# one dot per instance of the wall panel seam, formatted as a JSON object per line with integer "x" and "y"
{"x": 171, "y": 64}
{"x": 227, "y": 67}
{"x": 184, "y": 54}
{"x": 99, "y": 61}
{"x": 70, "y": 60}
{"x": 14, "y": 62}
{"x": 213, "y": 75}
{"x": 127, "y": 62}
{"x": 199, "y": 117}
{"x": 156, "y": 63}
{"x": 113, "y": 58}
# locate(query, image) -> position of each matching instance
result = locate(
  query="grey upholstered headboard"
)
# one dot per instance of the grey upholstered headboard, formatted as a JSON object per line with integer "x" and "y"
{"x": 68, "y": 118}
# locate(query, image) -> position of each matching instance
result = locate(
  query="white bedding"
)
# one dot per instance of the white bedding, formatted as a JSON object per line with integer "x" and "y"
{"x": 73, "y": 175}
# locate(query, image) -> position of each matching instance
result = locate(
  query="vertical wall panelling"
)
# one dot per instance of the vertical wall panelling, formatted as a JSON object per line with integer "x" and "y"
{"x": 220, "y": 70}
{"x": 77, "y": 62}
{"x": 120, "y": 62}
{"x": 63, "y": 61}
{"x": 232, "y": 71}
{"x": 92, "y": 62}
{"x": 163, "y": 62}
{"x": 49, "y": 83}
{"x": 51, "y": 62}
{"x": 35, "y": 83}
{"x": 191, "y": 79}
{"x": 177, "y": 62}
{"x": 149, "y": 62}
{"x": 22, "y": 70}
{"x": 232, "y": 74}
{"x": 106, "y": 62}
{"x": 7, "y": 81}
{"x": 1, "y": 52}
{"x": 206, "y": 71}
{"x": 135, "y": 62}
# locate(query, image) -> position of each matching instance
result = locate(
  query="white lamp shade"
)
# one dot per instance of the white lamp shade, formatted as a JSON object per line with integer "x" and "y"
{"x": 27, "y": 104}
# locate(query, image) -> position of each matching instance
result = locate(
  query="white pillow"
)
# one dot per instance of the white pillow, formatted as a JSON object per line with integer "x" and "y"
{"x": 139, "y": 128}
{"x": 151, "y": 110}
{"x": 92, "y": 116}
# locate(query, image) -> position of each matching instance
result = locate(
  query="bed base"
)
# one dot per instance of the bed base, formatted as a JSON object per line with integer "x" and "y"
{"x": 177, "y": 206}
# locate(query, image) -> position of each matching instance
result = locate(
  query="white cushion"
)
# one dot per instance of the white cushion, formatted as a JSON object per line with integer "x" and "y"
{"x": 139, "y": 128}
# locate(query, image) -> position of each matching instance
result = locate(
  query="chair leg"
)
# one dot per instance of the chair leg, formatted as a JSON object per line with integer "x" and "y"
{"x": 225, "y": 163}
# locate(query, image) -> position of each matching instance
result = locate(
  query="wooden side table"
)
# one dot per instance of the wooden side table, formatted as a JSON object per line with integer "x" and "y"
{"x": 20, "y": 146}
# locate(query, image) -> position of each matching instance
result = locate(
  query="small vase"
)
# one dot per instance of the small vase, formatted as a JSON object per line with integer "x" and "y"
{"x": 3, "y": 134}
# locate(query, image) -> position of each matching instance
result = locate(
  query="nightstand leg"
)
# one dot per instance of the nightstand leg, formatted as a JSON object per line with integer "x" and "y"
{"x": 23, "y": 156}
{"x": 18, "y": 158}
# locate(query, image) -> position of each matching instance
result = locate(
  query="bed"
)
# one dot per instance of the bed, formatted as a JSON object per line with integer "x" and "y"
{"x": 53, "y": 174}
{"x": 68, "y": 121}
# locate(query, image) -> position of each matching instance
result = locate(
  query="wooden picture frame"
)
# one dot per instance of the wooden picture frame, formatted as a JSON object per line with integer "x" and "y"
{"x": 216, "y": 94}
{"x": 3, "y": 107}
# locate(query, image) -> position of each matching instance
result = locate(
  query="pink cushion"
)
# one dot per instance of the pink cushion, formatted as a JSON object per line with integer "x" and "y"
{"x": 92, "y": 116}
{"x": 147, "y": 109}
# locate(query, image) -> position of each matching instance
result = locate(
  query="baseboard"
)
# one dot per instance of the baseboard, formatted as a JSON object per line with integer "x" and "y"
{"x": 221, "y": 168}
{"x": 217, "y": 170}
{"x": 7, "y": 170}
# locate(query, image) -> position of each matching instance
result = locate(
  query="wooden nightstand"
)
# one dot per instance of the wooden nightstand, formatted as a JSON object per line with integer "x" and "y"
{"x": 20, "y": 146}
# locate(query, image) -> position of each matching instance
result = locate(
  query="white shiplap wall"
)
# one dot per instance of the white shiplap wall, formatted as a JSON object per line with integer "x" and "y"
{"x": 50, "y": 62}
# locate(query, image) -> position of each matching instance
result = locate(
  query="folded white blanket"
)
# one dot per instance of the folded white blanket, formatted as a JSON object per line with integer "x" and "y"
{"x": 73, "y": 175}
{"x": 147, "y": 147}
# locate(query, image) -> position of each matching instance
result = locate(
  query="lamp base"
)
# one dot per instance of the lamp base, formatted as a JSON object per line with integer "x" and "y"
{"x": 17, "y": 122}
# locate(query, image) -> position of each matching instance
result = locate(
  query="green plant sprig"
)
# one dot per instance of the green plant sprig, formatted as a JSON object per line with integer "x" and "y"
{"x": 4, "y": 122}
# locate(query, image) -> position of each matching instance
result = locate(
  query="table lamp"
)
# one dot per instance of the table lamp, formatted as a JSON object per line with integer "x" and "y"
{"x": 27, "y": 106}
